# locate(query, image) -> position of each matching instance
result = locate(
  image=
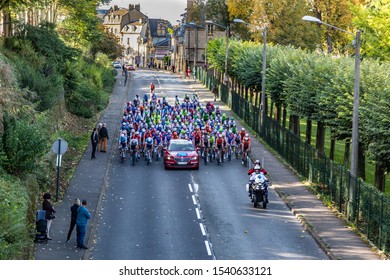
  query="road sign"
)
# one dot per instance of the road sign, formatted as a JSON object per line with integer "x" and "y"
{"x": 60, "y": 146}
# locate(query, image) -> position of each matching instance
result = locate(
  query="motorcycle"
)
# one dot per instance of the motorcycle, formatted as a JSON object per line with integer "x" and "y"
{"x": 258, "y": 190}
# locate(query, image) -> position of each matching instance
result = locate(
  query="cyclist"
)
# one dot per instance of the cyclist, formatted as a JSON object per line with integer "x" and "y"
{"x": 148, "y": 146}
{"x": 152, "y": 88}
{"x": 220, "y": 146}
{"x": 246, "y": 147}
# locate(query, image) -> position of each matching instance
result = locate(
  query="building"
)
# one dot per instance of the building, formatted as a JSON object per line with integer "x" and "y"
{"x": 158, "y": 43}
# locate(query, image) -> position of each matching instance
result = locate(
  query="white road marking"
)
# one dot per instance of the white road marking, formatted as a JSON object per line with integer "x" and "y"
{"x": 194, "y": 200}
{"x": 208, "y": 247}
{"x": 190, "y": 187}
{"x": 197, "y": 213}
{"x": 202, "y": 229}
{"x": 196, "y": 188}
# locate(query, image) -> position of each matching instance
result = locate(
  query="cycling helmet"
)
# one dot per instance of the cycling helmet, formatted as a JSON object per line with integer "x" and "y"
{"x": 243, "y": 129}
{"x": 137, "y": 133}
{"x": 257, "y": 167}
{"x": 257, "y": 162}
{"x": 246, "y": 138}
{"x": 220, "y": 135}
{"x": 246, "y": 135}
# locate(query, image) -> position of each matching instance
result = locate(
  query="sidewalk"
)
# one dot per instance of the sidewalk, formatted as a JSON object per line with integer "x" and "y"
{"x": 87, "y": 183}
{"x": 90, "y": 178}
{"x": 331, "y": 234}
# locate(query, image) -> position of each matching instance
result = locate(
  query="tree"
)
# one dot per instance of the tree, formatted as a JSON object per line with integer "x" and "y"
{"x": 375, "y": 121}
{"x": 337, "y": 13}
{"x": 373, "y": 19}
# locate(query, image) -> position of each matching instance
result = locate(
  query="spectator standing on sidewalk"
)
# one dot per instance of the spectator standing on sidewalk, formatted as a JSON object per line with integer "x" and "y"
{"x": 99, "y": 127}
{"x": 215, "y": 92}
{"x": 48, "y": 207}
{"x": 94, "y": 142}
{"x": 103, "y": 135}
{"x": 188, "y": 72}
{"x": 73, "y": 217}
{"x": 83, "y": 216}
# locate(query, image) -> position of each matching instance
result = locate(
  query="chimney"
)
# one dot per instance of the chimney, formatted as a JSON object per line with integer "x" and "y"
{"x": 138, "y": 7}
{"x": 116, "y": 8}
{"x": 131, "y": 7}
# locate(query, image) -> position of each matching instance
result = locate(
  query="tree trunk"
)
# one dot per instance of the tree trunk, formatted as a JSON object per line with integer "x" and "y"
{"x": 284, "y": 117}
{"x": 308, "y": 131}
{"x": 346, "y": 153}
{"x": 380, "y": 177}
{"x": 294, "y": 125}
{"x": 329, "y": 42}
{"x": 332, "y": 148}
{"x": 278, "y": 113}
{"x": 361, "y": 162}
{"x": 320, "y": 141}
{"x": 7, "y": 26}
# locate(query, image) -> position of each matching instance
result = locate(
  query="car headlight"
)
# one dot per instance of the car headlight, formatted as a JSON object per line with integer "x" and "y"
{"x": 169, "y": 157}
{"x": 194, "y": 158}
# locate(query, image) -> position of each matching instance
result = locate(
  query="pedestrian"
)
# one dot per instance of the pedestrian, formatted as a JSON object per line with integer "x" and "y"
{"x": 103, "y": 135}
{"x": 188, "y": 72}
{"x": 83, "y": 216}
{"x": 126, "y": 75}
{"x": 48, "y": 207}
{"x": 215, "y": 92}
{"x": 94, "y": 142}
{"x": 99, "y": 127}
{"x": 73, "y": 217}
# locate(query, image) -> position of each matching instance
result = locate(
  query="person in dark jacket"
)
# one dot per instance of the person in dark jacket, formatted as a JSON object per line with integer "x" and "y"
{"x": 103, "y": 136}
{"x": 73, "y": 217}
{"x": 48, "y": 207}
{"x": 94, "y": 142}
{"x": 83, "y": 216}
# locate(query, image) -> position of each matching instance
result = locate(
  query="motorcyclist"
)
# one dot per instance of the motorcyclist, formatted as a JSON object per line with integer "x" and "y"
{"x": 257, "y": 163}
{"x": 252, "y": 177}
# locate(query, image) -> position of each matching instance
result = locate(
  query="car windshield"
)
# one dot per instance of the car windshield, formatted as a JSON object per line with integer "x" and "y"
{"x": 181, "y": 147}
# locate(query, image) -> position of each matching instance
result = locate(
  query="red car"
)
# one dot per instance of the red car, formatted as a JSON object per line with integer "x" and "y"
{"x": 131, "y": 67}
{"x": 181, "y": 154}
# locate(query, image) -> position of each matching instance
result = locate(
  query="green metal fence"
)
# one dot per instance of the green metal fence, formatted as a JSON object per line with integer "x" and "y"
{"x": 361, "y": 203}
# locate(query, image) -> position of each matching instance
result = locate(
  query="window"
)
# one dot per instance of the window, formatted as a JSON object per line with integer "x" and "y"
{"x": 161, "y": 29}
{"x": 210, "y": 29}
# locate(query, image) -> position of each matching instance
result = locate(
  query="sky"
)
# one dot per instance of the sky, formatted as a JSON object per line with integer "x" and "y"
{"x": 165, "y": 9}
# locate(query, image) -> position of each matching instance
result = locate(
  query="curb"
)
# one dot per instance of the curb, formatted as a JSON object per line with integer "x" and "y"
{"x": 306, "y": 226}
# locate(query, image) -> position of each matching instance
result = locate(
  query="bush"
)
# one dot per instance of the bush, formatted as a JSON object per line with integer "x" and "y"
{"x": 86, "y": 101}
{"x": 14, "y": 226}
{"x": 23, "y": 143}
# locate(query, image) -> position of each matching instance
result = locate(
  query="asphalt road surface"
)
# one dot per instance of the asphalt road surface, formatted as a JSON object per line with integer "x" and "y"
{"x": 149, "y": 213}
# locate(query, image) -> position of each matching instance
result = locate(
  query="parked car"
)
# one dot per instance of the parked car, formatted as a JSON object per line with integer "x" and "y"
{"x": 131, "y": 68}
{"x": 181, "y": 154}
{"x": 116, "y": 65}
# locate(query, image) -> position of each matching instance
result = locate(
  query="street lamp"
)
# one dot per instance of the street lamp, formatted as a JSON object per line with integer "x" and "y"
{"x": 263, "y": 76}
{"x": 355, "y": 114}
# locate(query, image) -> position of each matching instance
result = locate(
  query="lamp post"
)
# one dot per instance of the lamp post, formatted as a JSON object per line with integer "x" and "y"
{"x": 355, "y": 113}
{"x": 356, "y": 92}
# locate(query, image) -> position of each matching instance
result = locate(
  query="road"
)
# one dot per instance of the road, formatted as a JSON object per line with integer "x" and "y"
{"x": 151, "y": 213}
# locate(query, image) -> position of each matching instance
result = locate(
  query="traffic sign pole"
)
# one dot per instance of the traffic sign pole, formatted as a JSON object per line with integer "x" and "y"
{"x": 60, "y": 146}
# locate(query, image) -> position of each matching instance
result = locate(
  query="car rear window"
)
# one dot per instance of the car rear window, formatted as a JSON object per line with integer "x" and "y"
{"x": 181, "y": 147}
